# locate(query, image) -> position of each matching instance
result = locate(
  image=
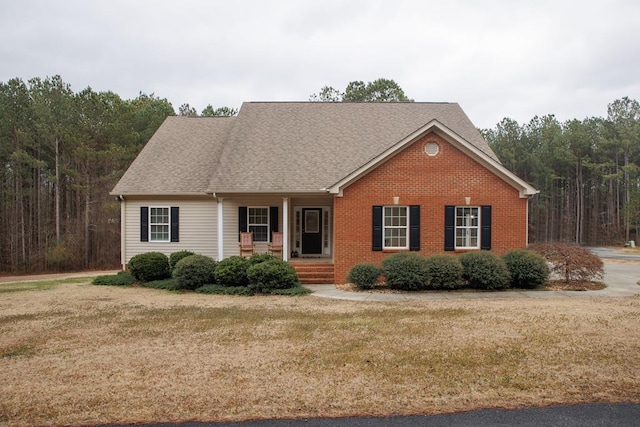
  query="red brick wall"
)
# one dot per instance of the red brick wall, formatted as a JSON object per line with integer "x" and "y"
{"x": 432, "y": 183}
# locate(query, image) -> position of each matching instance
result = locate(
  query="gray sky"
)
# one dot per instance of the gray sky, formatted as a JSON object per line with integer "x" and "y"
{"x": 497, "y": 58}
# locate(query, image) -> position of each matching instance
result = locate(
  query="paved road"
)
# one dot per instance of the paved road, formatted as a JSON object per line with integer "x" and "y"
{"x": 587, "y": 415}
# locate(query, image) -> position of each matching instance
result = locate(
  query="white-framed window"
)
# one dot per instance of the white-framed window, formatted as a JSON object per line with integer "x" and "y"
{"x": 159, "y": 224}
{"x": 467, "y": 227}
{"x": 395, "y": 227}
{"x": 258, "y": 223}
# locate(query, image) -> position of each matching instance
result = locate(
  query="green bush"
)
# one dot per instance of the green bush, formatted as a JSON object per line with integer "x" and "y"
{"x": 407, "y": 271}
{"x": 527, "y": 269}
{"x": 149, "y": 266}
{"x": 177, "y": 256}
{"x": 166, "y": 284}
{"x": 232, "y": 271}
{"x": 484, "y": 270}
{"x": 445, "y": 272}
{"x": 273, "y": 274}
{"x": 122, "y": 278}
{"x": 571, "y": 262}
{"x": 194, "y": 271}
{"x": 261, "y": 257}
{"x": 364, "y": 275}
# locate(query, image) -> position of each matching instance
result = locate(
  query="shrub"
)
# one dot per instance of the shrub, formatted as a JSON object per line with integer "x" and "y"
{"x": 273, "y": 274}
{"x": 149, "y": 266}
{"x": 122, "y": 278}
{"x": 166, "y": 284}
{"x": 406, "y": 271}
{"x": 527, "y": 269}
{"x": 262, "y": 257}
{"x": 571, "y": 262}
{"x": 225, "y": 290}
{"x": 445, "y": 272}
{"x": 177, "y": 256}
{"x": 364, "y": 275}
{"x": 232, "y": 271}
{"x": 194, "y": 271}
{"x": 484, "y": 270}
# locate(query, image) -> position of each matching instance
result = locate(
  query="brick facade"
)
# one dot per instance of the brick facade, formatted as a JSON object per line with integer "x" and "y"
{"x": 431, "y": 182}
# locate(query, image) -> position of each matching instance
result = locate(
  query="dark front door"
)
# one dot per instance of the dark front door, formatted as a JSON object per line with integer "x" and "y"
{"x": 311, "y": 231}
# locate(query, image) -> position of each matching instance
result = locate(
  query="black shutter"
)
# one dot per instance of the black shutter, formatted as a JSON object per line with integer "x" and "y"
{"x": 242, "y": 220}
{"x": 144, "y": 223}
{"x": 377, "y": 229}
{"x": 175, "y": 224}
{"x": 485, "y": 228}
{"x": 273, "y": 220}
{"x": 449, "y": 228}
{"x": 414, "y": 227}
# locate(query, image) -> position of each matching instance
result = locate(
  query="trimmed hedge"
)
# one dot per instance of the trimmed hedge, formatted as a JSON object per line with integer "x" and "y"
{"x": 194, "y": 271}
{"x": 232, "y": 271}
{"x": 149, "y": 266}
{"x": 273, "y": 274}
{"x": 484, "y": 270}
{"x": 122, "y": 278}
{"x": 528, "y": 269}
{"x": 445, "y": 272}
{"x": 406, "y": 271}
{"x": 364, "y": 275}
{"x": 177, "y": 256}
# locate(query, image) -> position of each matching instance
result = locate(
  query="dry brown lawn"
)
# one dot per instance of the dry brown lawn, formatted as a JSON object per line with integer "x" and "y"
{"x": 79, "y": 354}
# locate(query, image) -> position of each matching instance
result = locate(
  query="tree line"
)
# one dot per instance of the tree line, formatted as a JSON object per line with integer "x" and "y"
{"x": 61, "y": 152}
{"x": 587, "y": 171}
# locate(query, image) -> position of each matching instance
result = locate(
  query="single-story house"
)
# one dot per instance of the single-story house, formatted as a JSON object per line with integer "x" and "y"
{"x": 343, "y": 182}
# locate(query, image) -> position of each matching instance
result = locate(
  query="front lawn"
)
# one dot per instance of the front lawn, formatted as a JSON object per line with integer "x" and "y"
{"x": 81, "y": 354}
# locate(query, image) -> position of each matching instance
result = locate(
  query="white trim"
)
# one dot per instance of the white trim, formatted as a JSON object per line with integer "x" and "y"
{"x": 457, "y": 141}
{"x": 393, "y": 227}
{"x": 478, "y": 228}
{"x": 285, "y": 229}
{"x": 220, "y": 230}
{"x": 123, "y": 233}
{"x": 168, "y": 208}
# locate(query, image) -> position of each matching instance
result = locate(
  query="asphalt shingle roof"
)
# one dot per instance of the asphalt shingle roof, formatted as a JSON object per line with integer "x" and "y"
{"x": 280, "y": 146}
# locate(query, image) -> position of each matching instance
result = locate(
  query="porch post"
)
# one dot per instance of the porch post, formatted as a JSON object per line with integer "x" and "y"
{"x": 123, "y": 232}
{"x": 285, "y": 228}
{"x": 220, "y": 234}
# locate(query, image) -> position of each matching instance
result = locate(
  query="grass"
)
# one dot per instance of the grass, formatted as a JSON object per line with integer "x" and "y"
{"x": 79, "y": 354}
{"x": 37, "y": 285}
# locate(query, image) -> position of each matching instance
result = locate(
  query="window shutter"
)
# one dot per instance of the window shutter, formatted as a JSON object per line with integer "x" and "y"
{"x": 144, "y": 223}
{"x": 449, "y": 228}
{"x": 377, "y": 229}
{"x": 414, "y": 227}
{"x": 273, "y": 220}
{"x": 485, "y": 227}
{"x": 175, "y": 224}
{"x": 242, "y": 220}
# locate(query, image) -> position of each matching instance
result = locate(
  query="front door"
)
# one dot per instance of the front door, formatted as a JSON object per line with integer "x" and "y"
{"x": 311, "y": 231}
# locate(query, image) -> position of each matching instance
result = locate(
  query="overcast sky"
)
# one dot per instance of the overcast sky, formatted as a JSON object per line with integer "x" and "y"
{"x": 496, "y": 58}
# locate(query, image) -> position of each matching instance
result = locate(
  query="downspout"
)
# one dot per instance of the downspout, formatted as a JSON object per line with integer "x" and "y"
{"x": 285, "y": 229}
{"x": 220, "y": 227}
{"x": 123, "y": 232}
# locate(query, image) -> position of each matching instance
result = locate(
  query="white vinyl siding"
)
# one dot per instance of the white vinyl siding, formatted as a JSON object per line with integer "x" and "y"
{"x": 198, "y": 222}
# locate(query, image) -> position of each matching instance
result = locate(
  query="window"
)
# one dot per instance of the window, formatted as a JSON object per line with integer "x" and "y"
{"x": 258, "y": 222}
{"x": 467, "y": 227}
{"x": 159, "y": 224}
{"x": 396, "y": 227}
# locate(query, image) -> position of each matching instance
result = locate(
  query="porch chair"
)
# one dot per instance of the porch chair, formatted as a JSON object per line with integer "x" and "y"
{"x": 246, "y": 244}
{"x": 276, "y": 243}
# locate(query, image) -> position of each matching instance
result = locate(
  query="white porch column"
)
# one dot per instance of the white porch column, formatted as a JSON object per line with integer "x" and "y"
{"x": 123, "y": 233}
{"x": 285, "y": 228}
{"x": 220, "y": 233}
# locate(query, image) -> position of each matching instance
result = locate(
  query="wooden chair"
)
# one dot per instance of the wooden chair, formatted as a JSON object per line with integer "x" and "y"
{"x": 246, "y": 244}
{"x": 275, "y": 246}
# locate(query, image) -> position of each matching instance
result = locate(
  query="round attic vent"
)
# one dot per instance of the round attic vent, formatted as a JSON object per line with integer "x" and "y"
{"x": 431, "y": 148}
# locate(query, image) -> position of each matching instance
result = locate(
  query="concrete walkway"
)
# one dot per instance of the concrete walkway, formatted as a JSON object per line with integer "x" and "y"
{"x": 621, "y": 279}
